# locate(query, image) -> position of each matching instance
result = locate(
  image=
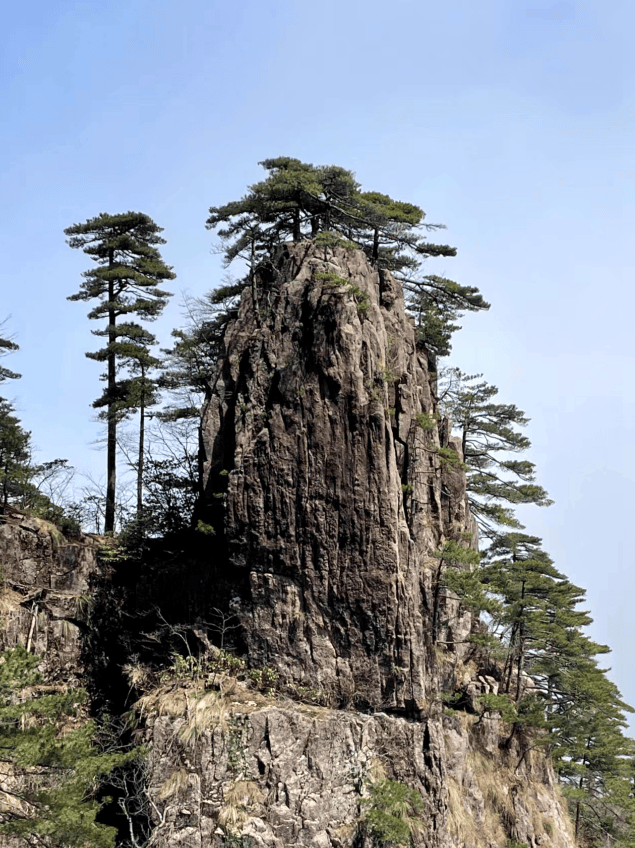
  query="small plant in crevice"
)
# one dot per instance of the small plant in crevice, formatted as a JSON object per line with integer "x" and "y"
{"x": 449, "y": 458}
{"x": 501, "y": 704}
{"x": 427, "y": 422}
{"x": 391, "y": 815}
{"x": 236, "y": 757}
{"x": 317, "y": 697}
{"x": 265, "y": 679}
{"x": 205, "y": 529}
{"x": 327, "y": 238}
{"x": 328, "y": 278}
{"x": 361, "y": 298}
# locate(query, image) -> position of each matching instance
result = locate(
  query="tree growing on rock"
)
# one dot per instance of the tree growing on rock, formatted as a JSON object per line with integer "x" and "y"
{"x": 50, "y": 778}
{"x": 7, "y": 346}
{"x": 489, "y": 434}
{"x": 125, "y": 282}
{"x": 16, "y": 468}
{"x": 325, "y": 203}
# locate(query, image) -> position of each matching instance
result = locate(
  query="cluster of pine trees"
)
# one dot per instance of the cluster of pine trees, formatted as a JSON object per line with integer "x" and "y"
{"x": 553, "y": 687}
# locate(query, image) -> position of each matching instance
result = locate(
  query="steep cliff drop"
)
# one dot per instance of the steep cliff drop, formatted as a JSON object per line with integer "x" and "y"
{"x": 331, "y": 482}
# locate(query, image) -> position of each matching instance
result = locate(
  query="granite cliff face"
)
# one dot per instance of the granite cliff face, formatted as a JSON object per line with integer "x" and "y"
{"x": 323, "y": 471}
{"x": 331, "y": 482}
{"x": 45, "y": 593}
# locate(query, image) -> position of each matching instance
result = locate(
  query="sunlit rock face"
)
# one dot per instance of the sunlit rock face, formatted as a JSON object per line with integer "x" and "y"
{"x": 322, "y": 474}
{"x": 329, "y": 499}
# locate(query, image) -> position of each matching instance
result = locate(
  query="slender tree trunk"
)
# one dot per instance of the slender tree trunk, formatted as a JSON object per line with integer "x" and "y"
{"x": 142, "y": 426}
{"x": 511, "y": 658}
{"x": 111, "y": 460}
{"x": 521, "y": 644}
{"x": 297, "y": 235}
{"x": 375, "y": 246}
{"x": 578, "y": 808}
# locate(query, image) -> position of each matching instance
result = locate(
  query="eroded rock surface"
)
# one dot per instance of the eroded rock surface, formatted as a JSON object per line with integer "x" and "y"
{"x": 45, "y": 592}
{"x": 323, "y": 474}
{"x": 274, "y": 776}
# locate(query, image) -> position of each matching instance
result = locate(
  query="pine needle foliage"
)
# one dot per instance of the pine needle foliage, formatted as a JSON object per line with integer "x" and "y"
{"x": 7, "y": 346}
{"x": 50, "y": 773}
{"x": 489, "y": 432}
{"x": 299, "y": 200}
{"x": 392, "y": 813}
{"x": 125, "y": 282}
{"x": 553, "y": 683}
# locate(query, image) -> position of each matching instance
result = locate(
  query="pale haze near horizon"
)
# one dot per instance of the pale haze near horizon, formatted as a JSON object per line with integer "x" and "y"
{"x": 510, "y": 122}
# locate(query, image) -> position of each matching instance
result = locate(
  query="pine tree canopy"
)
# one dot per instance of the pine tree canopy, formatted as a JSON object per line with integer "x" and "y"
{"x": 7, "y": 346}
{"x": 16, "y": 468}
{"x": 299, "y": 200}
{"x": 125, "y": 282}
{"x": 54, "y": 775}
{"x": 488, "y": 435}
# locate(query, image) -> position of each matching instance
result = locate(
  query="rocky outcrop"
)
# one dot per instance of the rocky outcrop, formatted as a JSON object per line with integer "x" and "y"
{"x": 332, "y": 482}
{"x": 324, "y": 477}
{"x": 45, "y": 592}
{"x": 237, "y": 766}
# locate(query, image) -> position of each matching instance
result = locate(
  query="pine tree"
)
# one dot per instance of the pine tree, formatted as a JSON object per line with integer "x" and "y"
{"x": 325, "y": 203}
{"x": 16, "y": 469}
{"x": 523, "y": 579}
{"x": 125, "y": 282}
{"x": 455, "y": 569}
{"x": 50, "y": 797}
{"x": 187, "y": 365}
{"x": 7, "y": 346}
{"x": 595, "y": 762}
{"x": 488, "y": 435}
{"x": 137, "y": 391}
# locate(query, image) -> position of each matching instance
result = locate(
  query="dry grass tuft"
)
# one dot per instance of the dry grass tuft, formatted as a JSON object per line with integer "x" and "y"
{"x": 243, "y": 793}
{"x": 497, "y": 797}
{"x": 460, "y": 820}
{"x": 203, "y": 714}
{"x": 377, "y": 770}
{"x": 137, "y": 675}
{"x": 346, "y": 832}
{"x": 174, "y": 784}
{"x": 165, "y": 701}
{"x": 494, "y": 782}
{"x": 232, "y": 817}
{"x": 537, "y": 821}
{"x": 10, "y": 600}
{"x": 241, "y": 800}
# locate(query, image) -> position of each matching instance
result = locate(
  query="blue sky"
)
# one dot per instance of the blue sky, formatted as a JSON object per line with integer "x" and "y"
{"x": 510, "y": 122}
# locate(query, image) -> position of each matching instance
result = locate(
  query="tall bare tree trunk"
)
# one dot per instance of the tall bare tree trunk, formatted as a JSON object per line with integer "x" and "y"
{"x": 142, "y": 426}
{"x": 111, "y": 461}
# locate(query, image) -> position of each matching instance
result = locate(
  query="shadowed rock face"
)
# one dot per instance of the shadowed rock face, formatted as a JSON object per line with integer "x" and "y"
{"x": 44, "y": 592}
{"x": 324, "y": 481}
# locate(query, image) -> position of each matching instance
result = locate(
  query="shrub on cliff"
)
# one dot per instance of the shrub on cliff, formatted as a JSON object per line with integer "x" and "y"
{"x": 392, "y": 813}
{"x": 51, "y": 766}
